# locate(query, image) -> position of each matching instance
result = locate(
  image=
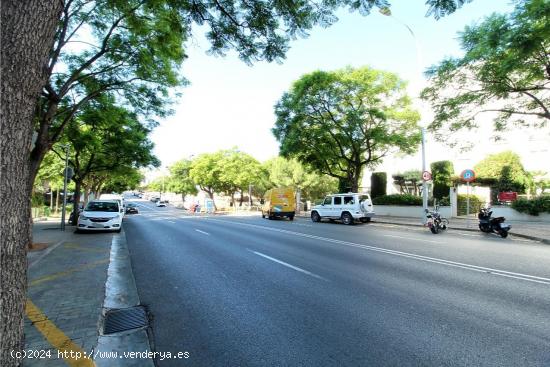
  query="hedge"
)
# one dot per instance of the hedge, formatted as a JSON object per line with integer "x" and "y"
{"x": 534, "y": 206}
{"x": 397, "y": 199}
{"x": 378, "y": 183}
{"x": 442, "y": 172}
{"x": 475, "y": 203}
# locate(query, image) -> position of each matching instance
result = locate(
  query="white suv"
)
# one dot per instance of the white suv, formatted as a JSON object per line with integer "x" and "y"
{"x": 346, "y": 207}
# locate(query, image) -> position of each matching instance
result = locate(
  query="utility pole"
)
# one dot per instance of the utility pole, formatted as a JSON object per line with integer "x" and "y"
{"x": 387, "y": 12}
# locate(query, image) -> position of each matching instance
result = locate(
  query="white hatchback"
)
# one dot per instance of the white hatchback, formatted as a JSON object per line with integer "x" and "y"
{"x": 100, "y": 215}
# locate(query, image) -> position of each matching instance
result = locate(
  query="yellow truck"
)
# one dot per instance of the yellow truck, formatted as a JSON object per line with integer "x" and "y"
{"x": 279, "y": 202}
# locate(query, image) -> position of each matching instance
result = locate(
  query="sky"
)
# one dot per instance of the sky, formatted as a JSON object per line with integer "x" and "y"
{"x": 230, "y": 104}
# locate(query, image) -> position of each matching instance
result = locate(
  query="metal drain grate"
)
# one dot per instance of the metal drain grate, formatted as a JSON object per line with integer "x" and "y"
{"x": 124, "y": 319}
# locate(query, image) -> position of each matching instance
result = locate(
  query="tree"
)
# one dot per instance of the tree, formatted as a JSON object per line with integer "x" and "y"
{"x": 442, "y": 173}
{"x": 340, "y": 122}
{"x": 206, "y": 172}
{"x": 505, "y": 69}
{"x": 50, "y": 174}
{"x": 119, "y": 180}
{"x": 408, "y": 181}
{"x": 507, "y": 169}
{"x": 28, "y": 31}
{"x": 180, "y": 180}
{"x": 239, "y": 172}
{"x": 282, "y": 172}
{"x": 120, "y": 50}
{"x": 106, "y": 138}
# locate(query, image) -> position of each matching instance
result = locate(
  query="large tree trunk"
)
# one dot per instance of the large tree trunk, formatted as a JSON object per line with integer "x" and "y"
{"x": 27, "y": 35}
{"x": 76, "y": 200}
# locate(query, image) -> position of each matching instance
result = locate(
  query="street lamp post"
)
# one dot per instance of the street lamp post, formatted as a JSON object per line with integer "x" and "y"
{"x": 387, "y": 12}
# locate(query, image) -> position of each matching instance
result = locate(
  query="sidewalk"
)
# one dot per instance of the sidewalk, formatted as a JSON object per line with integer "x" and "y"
{"x": 537, "y": 231}
{"x": 67, "y": 299}
{"x": 66, "y": 289}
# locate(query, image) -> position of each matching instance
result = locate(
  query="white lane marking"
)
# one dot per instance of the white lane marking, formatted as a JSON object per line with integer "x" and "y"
{"x": 171, "y": 221}
{"x": 499, "y": 272}
{"x": 412, "y": 239}
{"x": 288, "y": 265}
{"x": 198, "y": 230}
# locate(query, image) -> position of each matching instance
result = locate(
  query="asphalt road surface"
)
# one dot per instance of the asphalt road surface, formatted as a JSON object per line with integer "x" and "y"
{"x": 247, "y": 291}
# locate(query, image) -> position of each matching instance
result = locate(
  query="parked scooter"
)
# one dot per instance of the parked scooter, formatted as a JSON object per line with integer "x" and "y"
{"x": 489, "y": 224}
{"x": 435, "y": 221}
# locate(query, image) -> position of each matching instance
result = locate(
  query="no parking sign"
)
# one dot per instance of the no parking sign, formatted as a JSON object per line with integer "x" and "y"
{"x": 468, "y": 175}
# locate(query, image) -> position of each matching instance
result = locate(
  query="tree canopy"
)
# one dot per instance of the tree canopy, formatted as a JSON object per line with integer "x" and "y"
{"x": 180, "y": 180}
{"x": 339, "y": 122}
{"x": 506, "y": 168}
{"x": 505, "y": 70}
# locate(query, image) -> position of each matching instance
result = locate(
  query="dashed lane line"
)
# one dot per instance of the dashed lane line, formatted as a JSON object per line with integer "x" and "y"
{"x": 205, "y": 233}
{"x": 288, "y": 265}
{"x": 476, "y": 268}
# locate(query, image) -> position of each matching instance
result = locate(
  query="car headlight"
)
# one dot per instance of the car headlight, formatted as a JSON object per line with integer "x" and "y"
{"x": 83, "y": 217}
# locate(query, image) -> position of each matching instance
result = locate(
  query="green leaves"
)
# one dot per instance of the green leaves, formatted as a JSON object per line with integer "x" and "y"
{"x": 505, "y": 69}
{"x": 339, "y": 122}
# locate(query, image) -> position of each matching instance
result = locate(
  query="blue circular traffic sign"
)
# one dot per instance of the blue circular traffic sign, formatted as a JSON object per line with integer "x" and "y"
{"x": 468, "y": 175}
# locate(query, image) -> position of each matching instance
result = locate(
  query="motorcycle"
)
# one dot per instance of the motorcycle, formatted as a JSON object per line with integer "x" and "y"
{"x": 435, "y": 221}
{"x": 489, "y": 224}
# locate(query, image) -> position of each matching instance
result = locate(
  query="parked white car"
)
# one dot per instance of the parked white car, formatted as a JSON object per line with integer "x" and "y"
{"x": 348, "y": 208}
{"x": 100, "y": 215}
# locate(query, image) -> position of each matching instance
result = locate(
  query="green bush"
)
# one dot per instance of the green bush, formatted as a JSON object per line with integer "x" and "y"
{"x": 475, "y": 203}
{"x": 534, "y": 206}
{"x": 442, "y": 172}
{"x": 397, "y": 199}
{"x": 378, "y": 183}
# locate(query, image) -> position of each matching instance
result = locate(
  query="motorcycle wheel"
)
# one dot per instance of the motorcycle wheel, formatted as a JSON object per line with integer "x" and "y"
{"x": 434, "y": 228}
{"x": 444, "y": 223}
{"x": 503, "y": 233}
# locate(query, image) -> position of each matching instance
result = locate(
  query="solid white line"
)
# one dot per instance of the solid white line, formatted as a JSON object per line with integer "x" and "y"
{"x": 171, "y": 221}
{"x": 412, "y": 239}
{"x": 198, "y": 230}
{"x": 287, "y": 265}
{"x": 503, "y": 273}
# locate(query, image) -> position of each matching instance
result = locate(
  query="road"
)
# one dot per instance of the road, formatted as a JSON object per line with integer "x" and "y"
{"x": 246, "y": 291}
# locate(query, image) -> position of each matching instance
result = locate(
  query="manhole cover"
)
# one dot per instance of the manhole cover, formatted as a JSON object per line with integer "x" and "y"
{"x": 124, "y": 319}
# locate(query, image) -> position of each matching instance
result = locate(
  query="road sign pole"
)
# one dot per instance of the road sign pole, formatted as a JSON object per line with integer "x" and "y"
{"x": 468, "y": 204}
{"x": 424, "y": 183}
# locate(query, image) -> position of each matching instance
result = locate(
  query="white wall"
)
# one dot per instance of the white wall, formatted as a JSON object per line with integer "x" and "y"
{"x": 511, "y": 214}
{"x": 408, "y": 211}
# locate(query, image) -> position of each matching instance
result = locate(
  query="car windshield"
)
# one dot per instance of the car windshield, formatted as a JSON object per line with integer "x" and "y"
{"x": 130, "y": 205}
{"x": 102, "y": 206}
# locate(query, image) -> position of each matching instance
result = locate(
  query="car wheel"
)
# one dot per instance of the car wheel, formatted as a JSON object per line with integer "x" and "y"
{"x": 269, "y": 216}
{"x": 347, "y": 218}
{"x": 315, "y": 217}
{"x": 291, "y": 217}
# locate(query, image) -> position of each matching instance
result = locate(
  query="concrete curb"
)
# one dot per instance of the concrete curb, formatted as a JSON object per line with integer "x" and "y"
{"x": 121, "y": 292}
{"x": 378, "y": 220}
